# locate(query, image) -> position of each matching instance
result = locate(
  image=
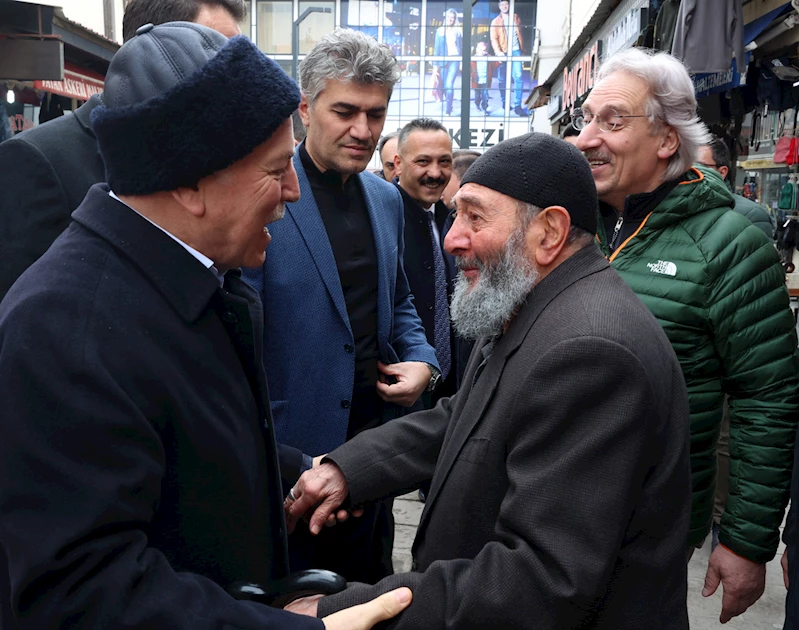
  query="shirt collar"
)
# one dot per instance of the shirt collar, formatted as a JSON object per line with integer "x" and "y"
{"x": 329, "y": 178}
{"x": 206, "y": 262}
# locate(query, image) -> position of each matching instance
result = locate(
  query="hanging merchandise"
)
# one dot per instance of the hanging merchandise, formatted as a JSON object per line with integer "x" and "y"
{"x": 786, "y": 150}
{"x": 708, "y": 34}
{"x": 665, "y": 24}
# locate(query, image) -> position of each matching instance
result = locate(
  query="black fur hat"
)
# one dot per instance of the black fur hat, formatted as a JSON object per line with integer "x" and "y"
{"x": 182, "y": 101}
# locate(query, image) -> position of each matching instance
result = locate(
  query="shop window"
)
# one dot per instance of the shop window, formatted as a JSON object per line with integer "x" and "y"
{"x": 316, "y": 25}
{"x": 246, "y": 23}
{"x": 406, "y": 101}
{"x": 275, "y": 24}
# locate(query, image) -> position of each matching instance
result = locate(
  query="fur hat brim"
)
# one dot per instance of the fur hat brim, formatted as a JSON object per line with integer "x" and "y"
{"x": 208, "y": 121}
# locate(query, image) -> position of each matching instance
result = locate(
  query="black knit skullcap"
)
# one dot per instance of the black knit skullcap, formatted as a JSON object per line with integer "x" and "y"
{"x": 181, "y": 102}
{"x": 542, "y": 170}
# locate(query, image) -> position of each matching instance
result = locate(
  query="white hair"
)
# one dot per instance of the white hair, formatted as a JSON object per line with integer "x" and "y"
{"x": 671, "y": 100}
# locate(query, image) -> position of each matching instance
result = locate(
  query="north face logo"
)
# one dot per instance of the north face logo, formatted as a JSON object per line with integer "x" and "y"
{"x": 664, "y": 267}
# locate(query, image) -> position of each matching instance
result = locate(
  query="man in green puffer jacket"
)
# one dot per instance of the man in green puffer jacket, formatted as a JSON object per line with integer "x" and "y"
{"x": 714, "y": 282}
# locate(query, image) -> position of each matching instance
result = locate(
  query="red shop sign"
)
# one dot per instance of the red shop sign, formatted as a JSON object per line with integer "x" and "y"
{"x": 74, "y": 85}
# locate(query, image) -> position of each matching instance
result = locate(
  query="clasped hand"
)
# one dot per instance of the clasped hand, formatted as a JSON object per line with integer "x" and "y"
{"x": 318, "y": 494}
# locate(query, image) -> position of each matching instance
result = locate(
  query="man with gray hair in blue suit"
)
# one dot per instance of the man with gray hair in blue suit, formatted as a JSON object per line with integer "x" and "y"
{"x": 344, "y": 347}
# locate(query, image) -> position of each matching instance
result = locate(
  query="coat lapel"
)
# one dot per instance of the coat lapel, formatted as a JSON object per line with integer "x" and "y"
{"x": 305, "y": 215}
{"x": 469, "y": 412}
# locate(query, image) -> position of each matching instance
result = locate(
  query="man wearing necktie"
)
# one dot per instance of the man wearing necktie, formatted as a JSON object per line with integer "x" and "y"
{"x": 425, "y": 157}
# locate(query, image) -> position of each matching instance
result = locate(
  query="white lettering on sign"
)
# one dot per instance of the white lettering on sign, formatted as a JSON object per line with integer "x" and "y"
{"x": 73, "y": 86}
{"x": 710, "y": 81}
{"x": 626, "y": 29}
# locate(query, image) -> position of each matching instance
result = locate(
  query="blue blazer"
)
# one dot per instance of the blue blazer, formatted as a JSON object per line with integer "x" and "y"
{"x": 308, "y": 343}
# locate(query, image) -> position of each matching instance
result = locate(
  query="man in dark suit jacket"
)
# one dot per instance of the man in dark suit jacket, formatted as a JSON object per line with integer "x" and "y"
{"x": 47, "y": 170}
{"x": 424, "y": 159}
{"x": 344, "y": 347}
{"x": 140, "y": 475}
{"x": 561, "y": 491}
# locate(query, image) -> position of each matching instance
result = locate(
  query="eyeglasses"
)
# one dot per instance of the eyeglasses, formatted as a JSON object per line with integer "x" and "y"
{"x": 607, "y": 120}
{"x": 705, "y": 164}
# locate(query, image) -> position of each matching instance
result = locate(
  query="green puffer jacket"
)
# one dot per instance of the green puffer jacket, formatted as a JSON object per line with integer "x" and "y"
{"x": 715, "y": 284}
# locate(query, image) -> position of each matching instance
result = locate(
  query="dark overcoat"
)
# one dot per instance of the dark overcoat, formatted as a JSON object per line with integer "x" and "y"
{"x": 139, "y": 472}
{"x": 45, "y": 173}
{"x": 561, "y": 492}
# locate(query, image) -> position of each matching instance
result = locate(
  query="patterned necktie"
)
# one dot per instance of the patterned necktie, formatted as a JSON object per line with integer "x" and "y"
{"x": 441, "y": 320}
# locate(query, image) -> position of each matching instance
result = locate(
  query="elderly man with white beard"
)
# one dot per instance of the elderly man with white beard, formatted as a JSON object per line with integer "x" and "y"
{"x": 561, "y": 489}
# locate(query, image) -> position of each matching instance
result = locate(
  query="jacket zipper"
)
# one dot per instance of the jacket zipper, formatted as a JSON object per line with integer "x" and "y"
{"x": 616, "y": 231}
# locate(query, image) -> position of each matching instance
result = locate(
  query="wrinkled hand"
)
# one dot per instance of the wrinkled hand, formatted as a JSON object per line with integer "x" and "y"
{"x": 784, "y": 564}
{"x": 317, "y": 494}
{"x": 743, "y": 581}
{"x": 366, "y": 615}
{"x": 411, "y": 377}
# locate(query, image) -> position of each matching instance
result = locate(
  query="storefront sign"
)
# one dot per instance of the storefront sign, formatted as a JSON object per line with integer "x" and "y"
{"x": 578, "y": 79}
{"x": 74, "y": 85}
{"x": 756, "y": 165}
{"x": 626, "y": 31}
{"x": 715, "y": 82}
{"x": 19, "y": 123}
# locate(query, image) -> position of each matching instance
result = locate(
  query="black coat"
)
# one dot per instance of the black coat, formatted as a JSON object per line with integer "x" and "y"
{"x": 139, "y": 469}
{"x": 45, "y": 173}
{"x": 562, "y": 491}
{"x": 418, "y": 263}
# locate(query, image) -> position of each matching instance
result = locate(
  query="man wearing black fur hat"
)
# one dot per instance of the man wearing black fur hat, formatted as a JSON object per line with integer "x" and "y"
{"x": 561, "y": 486}
{"x": 140, "y": 476}
{"x": 47, "y": 170}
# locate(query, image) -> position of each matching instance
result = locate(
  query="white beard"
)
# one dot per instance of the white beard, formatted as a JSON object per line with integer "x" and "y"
{"x": 501, "y": 288}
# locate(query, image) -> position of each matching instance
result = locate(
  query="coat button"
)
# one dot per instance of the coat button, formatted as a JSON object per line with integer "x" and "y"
{"x": 347, "y": 347}
{"x": 345, "y": 404}
{"x": 427, "y": 265}
{"x": 429, "y": 307}
{"x": 229, "y": 317}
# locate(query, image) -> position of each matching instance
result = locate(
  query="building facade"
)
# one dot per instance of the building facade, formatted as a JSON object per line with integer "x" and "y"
{"x": 440, "y": 45}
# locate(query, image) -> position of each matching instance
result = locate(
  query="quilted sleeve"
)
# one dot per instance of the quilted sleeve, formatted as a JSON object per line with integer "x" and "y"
{"x": 754, "y": 335}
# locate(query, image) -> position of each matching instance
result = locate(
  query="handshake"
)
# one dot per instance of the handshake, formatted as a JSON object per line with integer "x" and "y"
{"x": 317, "y": 497}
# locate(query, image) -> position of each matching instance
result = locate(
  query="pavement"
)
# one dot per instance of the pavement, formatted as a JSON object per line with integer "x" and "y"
{"x": 767, "y": 614}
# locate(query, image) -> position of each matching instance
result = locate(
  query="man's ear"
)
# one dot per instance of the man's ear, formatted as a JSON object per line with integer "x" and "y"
{"x": 303, "y": 110}
{"x": 724, "y": 171}
{"x": 669, "y": 144}
{"x": 191, "y": 199}
{"x": 549, "y": 232}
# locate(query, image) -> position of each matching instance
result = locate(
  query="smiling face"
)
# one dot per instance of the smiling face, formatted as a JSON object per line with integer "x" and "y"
{"x": 425, "y": 160}
{"x": 494, "y": 252}
{"x": 484, "y": 221}
{"x": 504, "y": 6}
{"x": 481, "y": 49}
{"x": 241, "y": 199}
{"x": 631, "y": 159}
{"x": 344, "y": 125}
